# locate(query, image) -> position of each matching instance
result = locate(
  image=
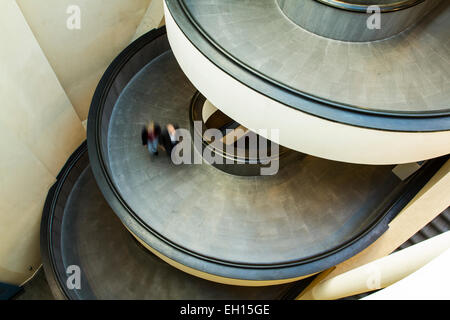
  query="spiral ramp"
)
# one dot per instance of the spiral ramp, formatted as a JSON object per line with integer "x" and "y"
{"x": 141, "y": 227}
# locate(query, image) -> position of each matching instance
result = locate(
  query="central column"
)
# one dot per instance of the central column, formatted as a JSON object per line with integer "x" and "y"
{"x": 356, "y": 20}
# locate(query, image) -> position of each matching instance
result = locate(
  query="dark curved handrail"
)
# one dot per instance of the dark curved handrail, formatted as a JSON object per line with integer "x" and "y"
{"x": 197, "y": 100}
{"x": 54, "y": 213}
{"x": 359, "y": 116}
{"x": 187, "y": 257}
{"x": 53, "y": 276}
{"x": 384, "y": 7}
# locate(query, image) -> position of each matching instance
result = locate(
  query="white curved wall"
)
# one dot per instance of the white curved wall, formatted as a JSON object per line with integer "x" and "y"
{"x": 298, "y": 130}
{"x": 431, "y": 282}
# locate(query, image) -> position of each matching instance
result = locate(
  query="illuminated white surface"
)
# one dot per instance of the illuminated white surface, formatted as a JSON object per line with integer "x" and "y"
{"x": 430, "y": 282}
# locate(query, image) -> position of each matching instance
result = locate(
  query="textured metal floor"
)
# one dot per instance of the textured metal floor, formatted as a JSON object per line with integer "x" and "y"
{"x": 311, "y": 206}
{"x": 409, "y": 72}
{"x": 115, "y": 266}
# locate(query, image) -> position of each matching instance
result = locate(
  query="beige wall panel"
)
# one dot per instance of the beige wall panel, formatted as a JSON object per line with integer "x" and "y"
{"x": 79, "y": 57}
{"x": 380, "y": 273}
{"x": 39, "y": 129}
{"x": 34, "y": 105}
{"x": 426, "y": 205}
{"x": 431, "y": 282}
{"x": 154, "y": 18}
{"x": 23, "y": 187}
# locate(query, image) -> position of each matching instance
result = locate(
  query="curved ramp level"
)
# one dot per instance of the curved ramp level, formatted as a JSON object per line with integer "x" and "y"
{"x": 259, "y": 37}
{"x": 383, "y": 102}
{"x": 250, "y": 230}
{"x": 79, "y": 228}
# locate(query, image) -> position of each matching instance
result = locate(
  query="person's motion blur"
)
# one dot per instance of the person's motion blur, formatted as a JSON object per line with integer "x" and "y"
{"x": 150, "y": 137}
{"x": 169, "y": 138}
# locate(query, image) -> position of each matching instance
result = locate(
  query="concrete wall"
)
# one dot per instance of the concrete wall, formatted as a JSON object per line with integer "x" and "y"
{"x": 153, "y": 18}
{"x": 48, "y": 74}
{"x": 38, "y": 131}
{"x": 79, "y": 57}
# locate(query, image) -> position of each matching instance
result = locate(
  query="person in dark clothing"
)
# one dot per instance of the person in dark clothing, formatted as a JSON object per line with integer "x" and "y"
{"x": 169, "y": 138}
{"x": 144, "y": 135}
{"x": 153, "y": 135}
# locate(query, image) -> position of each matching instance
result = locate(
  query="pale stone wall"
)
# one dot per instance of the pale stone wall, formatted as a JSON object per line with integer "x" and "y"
{"x": 38, "y": 131}
{"x": 79, "y": 57}
{"x": 48, "y": 74}
{"x": 153, "y": 18}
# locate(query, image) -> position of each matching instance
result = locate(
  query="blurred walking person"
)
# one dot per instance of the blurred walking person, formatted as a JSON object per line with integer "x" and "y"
{"x": 150, "y": 137}
{"x": 169, "y": 138}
